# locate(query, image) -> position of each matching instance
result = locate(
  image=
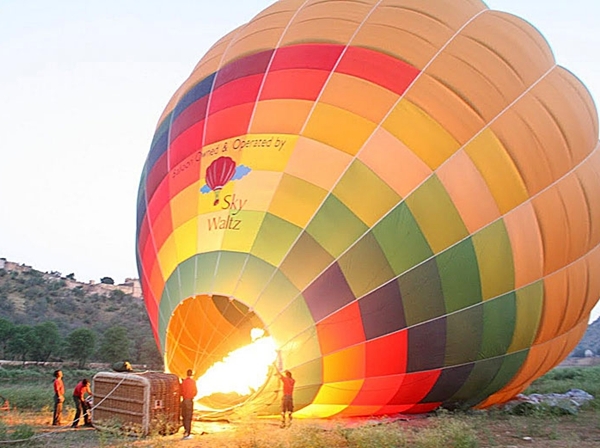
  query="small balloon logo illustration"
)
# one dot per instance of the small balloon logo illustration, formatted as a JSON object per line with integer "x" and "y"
{"x": 218, "y": 174}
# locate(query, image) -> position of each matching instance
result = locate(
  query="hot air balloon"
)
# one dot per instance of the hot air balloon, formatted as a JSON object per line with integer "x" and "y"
{"x": 218, "y": 174}
{"x": 413, "y": 221}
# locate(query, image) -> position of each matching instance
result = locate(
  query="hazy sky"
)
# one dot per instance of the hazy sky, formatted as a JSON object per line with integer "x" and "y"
{"x": 82, "y": 85}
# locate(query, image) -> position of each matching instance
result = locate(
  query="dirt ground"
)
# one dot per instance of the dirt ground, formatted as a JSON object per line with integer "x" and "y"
{"x": 581, "y": 431}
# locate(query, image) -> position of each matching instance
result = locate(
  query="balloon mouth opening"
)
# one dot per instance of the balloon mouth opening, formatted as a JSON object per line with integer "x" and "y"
{"x": 227, "y": 347}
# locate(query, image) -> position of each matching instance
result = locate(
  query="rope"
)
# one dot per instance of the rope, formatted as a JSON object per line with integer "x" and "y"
{"x": 65, "y": 427}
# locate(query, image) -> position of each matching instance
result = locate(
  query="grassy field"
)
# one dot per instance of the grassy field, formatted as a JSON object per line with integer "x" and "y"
{"x": 27, "y": 423}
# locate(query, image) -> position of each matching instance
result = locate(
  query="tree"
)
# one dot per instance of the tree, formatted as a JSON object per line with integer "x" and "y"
{"x": 115, "y": 345}
{"x": 22, "y": 341}
{"x": 48, "y": 341}
{"x": 71, "y": 276}
{"x": 149, "y": 354}
{"x": 107, "y": 281}
{"x": 80, "y": 345}
{"x": 6, "y": 329}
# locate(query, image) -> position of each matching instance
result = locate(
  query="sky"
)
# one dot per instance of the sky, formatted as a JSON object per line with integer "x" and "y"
{"x": 83, "y": 84}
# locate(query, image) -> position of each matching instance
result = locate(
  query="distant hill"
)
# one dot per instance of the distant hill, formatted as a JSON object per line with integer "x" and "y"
{"x": 590, "y": 341}
{"x": 31, "y": 297}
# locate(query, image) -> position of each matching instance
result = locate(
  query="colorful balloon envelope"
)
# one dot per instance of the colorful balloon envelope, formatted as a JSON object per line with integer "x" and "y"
{"x": 404, "y": 195}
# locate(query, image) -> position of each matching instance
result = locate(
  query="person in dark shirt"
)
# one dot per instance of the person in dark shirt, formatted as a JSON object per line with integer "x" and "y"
{"x": 81, "y": 405}
{"x": 188, "y": 391}
{"x": 59, "y": 397}
{"x": 287, "y": 401}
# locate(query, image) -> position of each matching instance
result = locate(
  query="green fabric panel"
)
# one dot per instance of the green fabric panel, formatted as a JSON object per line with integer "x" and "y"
{"x": 481, "y": 377}
{"x": 240, "y": 230}
{"x": 509, "y": 368}
{"x": 363, "y": 192}
{"x": 401, "y": 240}
{"x": 303, "y": 349}
{"x": 274, "y": 239}
{"x": 498, "y": 325}
{"x": 185, "y": 279}
{"x": 205, "y": 271}
{"x": 305, "y": 261}
{"x": 365, "y": 266}
{"x": 459, "y": 273}
{"x": 436, "y": 215}
{"x": 494, "y": 254}
{"x": 293, "y": 320}
{"x": 422, "y": 295}
{"x": 253, "y": 280}
{"x": 464, "y": 332}
{"x": 530, "y": 302}
{"x": 335, "y": 227}
{"x": 229, "y": 269}
{"x": 275, "y": 298}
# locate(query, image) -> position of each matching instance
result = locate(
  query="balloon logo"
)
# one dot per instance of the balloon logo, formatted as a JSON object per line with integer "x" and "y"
{"x": 420, "y": 226}
{"x": 218, "y": 174}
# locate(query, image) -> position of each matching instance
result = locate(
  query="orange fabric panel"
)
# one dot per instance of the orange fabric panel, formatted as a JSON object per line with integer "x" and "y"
{"x": 345, "y": 365}
{"x": 554, "y": 226}
{"x": 526, "y": 241}
{"x": 556, "y": 288}
{"x": 280, "y": 116}
{"x": 469, "y": 192}
{"x": 341, "y": 329}
{"x": 156, "y": 281}
{"x": 589, "y": 177}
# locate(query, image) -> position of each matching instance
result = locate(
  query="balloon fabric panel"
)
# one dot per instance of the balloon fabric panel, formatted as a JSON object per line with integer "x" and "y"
{"x": 403, "y": 195}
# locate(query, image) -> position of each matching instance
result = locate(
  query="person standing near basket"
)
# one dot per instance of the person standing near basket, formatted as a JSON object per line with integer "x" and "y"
{"x": 59, "y": 397}
{"x": 81, "y": 405}
{"x": 188, "y": 391}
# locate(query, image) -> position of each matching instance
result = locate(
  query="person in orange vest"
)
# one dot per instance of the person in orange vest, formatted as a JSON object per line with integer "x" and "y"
{"x": 188, "y": 391}
{"x": 287, "y": 401}
{"x": 59, "y": 397}
{"x": 81, "y": 405}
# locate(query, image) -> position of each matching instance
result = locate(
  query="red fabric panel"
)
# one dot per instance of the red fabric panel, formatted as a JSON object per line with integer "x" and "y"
{"x": 240, "y": 91}
{"x": 228, "y": 123}
{"x": 162, "y": 227}
{"x": 376, "y": 391}
{"x": 387, "y": 355}
{"x": 340, "y": 330}
{"x": 157, "y": 173}
{"x": 294, "y": 84}
{"x": 194, "y": 113}
{"x": 159, "y": 201}
{"x": 316, "y": 56}
{"x": 378, "y": 68}
{"x": 415, "y": 387}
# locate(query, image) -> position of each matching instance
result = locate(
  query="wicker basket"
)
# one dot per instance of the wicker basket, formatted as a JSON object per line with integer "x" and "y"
{"x": 139, "y": 402}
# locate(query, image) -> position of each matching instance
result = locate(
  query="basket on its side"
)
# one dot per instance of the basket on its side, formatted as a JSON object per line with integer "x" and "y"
{"x": 141, "y": 402}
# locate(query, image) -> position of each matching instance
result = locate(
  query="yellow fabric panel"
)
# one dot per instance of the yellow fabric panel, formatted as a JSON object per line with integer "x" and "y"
{"x": 300, "y": 273}
{"x": 469, "y": 192}
{"x": 242, "y": 230}
{"x": 556, "y": 289}
{"x": 526, "y": 243}
{"x": 184, "y": 206}
{"x": 209, "y": 239}
{"x": 393, "y": 162}
{"x": 414, "y": 32}
{"x": 365, "y": 194}
{"x": 267, "y": 152}
{"x": 285, "y": 116}
{"x": 494, "y": 258}
{"x": 338, "y": 128}
{"x": 529, "y": 303}
{"x": 419, "y": 132}
{"x": 186, "y": 236}
{"x": 554, "y": 227}
{"x": 167, "y": 256}
{"x": 436, "y": 216}
{"x": 317, "y": 163}
{"x": 258, "y": 189}
{"x": 358, "y": 96}
{"x": 446, "y": 107}
{"x": 296, "y": 201}
{"x": 326, "y": 22}
{"x": 498, "y": 170}
{"x": 320, "y": 410}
